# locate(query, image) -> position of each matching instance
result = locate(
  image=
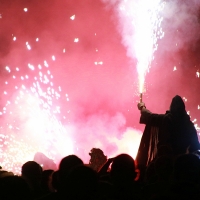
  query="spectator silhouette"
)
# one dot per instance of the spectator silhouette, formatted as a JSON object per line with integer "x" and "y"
{"x": 55, "y": 181}
{"x": 59, "y": 177}
{"x": 97, "y": 160}
{"x": 163, "y": 167}
{"x": 14, "y": 187}
{"x": 123, "y": 174}
{"x": 66, "y": 164}
{"x": 32, "y": 173}
{"x": 80, "y": 183}
{"x": 185, "y": 183}
{"x": 46, "y": 181}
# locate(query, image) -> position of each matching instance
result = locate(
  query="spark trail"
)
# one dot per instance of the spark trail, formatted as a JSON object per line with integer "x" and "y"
{"x": 140, "y": 28}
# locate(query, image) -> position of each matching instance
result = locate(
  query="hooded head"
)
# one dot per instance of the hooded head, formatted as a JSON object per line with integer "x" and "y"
{"x": 177, "y": 105}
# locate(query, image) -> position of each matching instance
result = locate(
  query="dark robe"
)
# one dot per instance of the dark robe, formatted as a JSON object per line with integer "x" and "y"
{"x": 175, "y": 131}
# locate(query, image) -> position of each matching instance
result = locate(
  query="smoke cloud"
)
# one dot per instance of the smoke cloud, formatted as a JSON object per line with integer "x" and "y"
{"x": 84, "y": 61}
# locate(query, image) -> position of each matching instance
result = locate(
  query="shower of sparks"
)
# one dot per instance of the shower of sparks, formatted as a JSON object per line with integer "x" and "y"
{"x": 194, "y": 120}
{"x": 147, "y": 31}
{"x": 146, "y": 22}
{"x": 32, "y": 117}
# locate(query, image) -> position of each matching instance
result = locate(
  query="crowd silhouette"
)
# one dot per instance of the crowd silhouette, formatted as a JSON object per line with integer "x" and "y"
{"x": 117, "y": 178}
{"x": 160, "y": 171}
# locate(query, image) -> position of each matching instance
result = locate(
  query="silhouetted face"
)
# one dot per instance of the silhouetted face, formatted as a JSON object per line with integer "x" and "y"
{"x": 177, "y": 105}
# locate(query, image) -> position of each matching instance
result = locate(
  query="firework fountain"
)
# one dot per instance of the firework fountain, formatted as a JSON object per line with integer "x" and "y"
{"x": 140, "y": 26}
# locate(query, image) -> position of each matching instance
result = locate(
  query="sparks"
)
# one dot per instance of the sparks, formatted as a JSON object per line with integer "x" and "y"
{"x": 72, "y": 17}
{"x": 28, "y": 46}
{"x": 198, "y": 74}
{"x": 53, "y": 58}
{"x": 76, "y": 40}
{"x": 143, "y": 21}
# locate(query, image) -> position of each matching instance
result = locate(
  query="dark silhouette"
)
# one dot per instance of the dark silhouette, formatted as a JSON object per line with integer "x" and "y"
{"x": 14, "y": 187}
{"x": 32, "y": 173}
{"x": 97, "y": 159}
{"x": 55, "y": 181}
{"x": 46, "y": 181}
{"x": 66, "y": 164}
{"x": 185, "y": 182}
{"x": 173, "y": 129}
{"x": 80, "y": 183}
{"x": 160, "y": 177}
{"x": 123, "y": 174}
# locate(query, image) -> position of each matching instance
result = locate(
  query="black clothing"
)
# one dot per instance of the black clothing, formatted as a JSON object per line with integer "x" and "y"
{"x": 172, "y": 129}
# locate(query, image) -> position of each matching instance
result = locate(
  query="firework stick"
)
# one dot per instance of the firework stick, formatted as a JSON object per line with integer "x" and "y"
{"x": 140, "y": 97}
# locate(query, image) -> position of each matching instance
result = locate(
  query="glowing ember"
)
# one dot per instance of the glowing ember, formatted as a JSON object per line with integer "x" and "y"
{"x": 198, "y": 74}
{"x": 72, "y": 17}
{"x": 76, "y": 40}
{"x": 185, "y": 99}
{"x": 28, "y": 46}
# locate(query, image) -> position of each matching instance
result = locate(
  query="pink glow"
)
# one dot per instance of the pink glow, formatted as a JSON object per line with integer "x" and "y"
{"x": 75, "y": 88}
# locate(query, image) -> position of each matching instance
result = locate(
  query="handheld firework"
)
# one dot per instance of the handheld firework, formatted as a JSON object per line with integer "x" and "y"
{"x": 140, "y": 97}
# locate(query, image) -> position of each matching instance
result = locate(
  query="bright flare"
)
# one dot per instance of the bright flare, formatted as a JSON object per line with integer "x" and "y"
{"x": 141, "y": 28}
{"x": 147, "y": 31}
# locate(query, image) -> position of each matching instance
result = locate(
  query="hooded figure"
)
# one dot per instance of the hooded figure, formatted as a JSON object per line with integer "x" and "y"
{"x": 173, "y": 129}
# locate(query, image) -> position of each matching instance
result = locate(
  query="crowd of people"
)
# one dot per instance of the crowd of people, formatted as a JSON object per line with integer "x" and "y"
{"x": 167, "y": 166}
{"x": 117, "y": 178}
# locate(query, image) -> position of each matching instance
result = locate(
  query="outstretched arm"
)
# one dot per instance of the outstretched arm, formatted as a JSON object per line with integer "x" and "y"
{"x": 149, "y": 117}
{"x": 105, "y": 167}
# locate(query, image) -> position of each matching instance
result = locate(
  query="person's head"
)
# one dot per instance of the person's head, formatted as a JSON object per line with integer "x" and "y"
{"x": 81, "y": 183}
{"x": 97, "y": 159}
{"x": 177, "y": 105}
{"x": 123, "y": 169}
{"x": 32, "y": 171}
{"x": 68, "y": 163}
